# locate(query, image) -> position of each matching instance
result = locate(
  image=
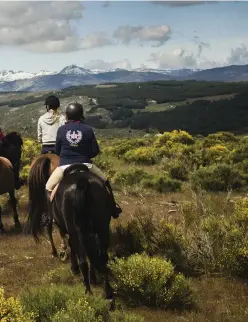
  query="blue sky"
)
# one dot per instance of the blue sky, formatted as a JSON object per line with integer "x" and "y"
{"x": 122, "y": 34}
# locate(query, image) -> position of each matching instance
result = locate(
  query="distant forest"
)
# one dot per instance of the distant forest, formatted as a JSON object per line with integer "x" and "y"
{"x": 126, "y": 104}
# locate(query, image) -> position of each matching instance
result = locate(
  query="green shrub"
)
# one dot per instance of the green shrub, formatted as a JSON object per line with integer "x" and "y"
{"x": 162, "y": 183}
{"x": 240, "y": 153}
{"x": 142, "y": 155}
{"x": 151, "y": 281}
{"x": 105, "y": 164}
{"x": 122, "y": 146}
{"x": 11, "y": 310}
{"x": 175, "y": 136}
{"x": 217, "y": 178}
{"x": 220, "y": 138}
{"x": 53, "y": 303}
{"x": 217, "y": 154}
{"x": 46, "y": 301}
{"x": 131, "y": 177}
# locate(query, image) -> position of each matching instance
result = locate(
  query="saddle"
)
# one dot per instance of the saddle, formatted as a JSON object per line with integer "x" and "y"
{"x": 77, "y": 167}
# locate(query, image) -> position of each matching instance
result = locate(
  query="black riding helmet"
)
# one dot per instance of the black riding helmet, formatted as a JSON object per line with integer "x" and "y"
{"x": 75, "y": 112}
{"x": 52, "y": 102}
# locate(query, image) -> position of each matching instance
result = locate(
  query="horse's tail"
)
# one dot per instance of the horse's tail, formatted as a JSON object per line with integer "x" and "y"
{"x": 82, "y": 219}
{"x": 38, "y": 176}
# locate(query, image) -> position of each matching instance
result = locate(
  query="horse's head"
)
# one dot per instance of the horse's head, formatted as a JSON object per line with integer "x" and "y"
{"x": 11, "y": 147}
{"x": 13, "y": 138}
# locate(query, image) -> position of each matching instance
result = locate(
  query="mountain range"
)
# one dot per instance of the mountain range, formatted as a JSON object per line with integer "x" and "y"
{"x": 74, "y": 75}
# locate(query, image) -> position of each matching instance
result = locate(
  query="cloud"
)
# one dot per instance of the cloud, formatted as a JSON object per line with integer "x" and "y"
{"x": 40, "y": 26}
{"x": 95, "y": 40}
{"x": 179, "y": 58}
{"x": 103, "y": 65}
{"x": 238, "y": 56}
{"x": 143, "y": 34}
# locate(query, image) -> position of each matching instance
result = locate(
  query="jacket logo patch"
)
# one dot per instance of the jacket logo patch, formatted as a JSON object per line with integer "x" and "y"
{"x": 74, "y": 137}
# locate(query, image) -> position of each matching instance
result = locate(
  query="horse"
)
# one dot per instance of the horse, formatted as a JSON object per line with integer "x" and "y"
{"x": 40, "y": 170}
{"x": 81, "y": 209}
{"x": 10, "y": 152}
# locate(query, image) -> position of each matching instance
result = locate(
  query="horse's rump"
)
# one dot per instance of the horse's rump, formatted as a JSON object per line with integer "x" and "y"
{"x": 74, "y": 168}
{"x": 54, "y": 160}
{"x": 7, "y": 180}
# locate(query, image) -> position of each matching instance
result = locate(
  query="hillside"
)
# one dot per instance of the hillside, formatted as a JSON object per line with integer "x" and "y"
{"x": 197, "y": 107}
{"x": 74, "y": 75}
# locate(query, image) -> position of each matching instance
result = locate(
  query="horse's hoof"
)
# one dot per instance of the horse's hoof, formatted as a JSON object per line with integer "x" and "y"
{"x": 55, "y": 254}
{"x": 75, "y": 271}
{"x": 63, "y": 256}
{"x": 112, "y": 304}
{"x": 18, "y": 225}
{"x": 88, "y": 292}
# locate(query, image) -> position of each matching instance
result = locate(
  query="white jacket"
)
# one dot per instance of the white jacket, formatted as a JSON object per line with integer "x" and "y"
{"x": 48, "y": 125}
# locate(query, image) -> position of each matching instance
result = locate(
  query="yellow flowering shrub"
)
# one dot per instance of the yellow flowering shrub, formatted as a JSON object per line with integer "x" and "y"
{"x": 241, "y": 212}
{"x": 11, "y": 310}
{"x": 141, "y": 279}
{"x": 217, "y": 153}
{"x": 176, "y": 136}
{"x": 145, "y": 155}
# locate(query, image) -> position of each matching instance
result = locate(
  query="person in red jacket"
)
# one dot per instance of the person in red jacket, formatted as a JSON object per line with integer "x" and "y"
{"x": 1, "y": 135}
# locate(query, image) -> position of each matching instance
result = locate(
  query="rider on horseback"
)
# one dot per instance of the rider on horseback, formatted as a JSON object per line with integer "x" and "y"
{"x": 76, "y": 143}
{"x": 49, "y": 123}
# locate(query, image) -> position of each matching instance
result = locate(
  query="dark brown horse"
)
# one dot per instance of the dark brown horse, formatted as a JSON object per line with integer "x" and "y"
{"x": 10, "y": 152}
{"x": 81, "y": 210}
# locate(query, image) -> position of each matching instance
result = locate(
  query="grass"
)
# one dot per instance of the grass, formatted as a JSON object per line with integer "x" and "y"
{"x": 23, "y": 264}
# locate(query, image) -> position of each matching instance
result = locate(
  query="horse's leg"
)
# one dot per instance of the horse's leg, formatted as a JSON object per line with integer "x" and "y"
{"x": 104, "y": 244}
{"x": 93, "y": 278}
{"x": 74, "y": 262}
{"x": 77, "y": 243}
{"x": 13, "y": 202}
{"x": 1, "y": 223}
{"x": 49, "y": 229}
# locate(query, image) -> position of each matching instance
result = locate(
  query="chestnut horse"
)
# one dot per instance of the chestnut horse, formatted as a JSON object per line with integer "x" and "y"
{"x": 10, "y": 151}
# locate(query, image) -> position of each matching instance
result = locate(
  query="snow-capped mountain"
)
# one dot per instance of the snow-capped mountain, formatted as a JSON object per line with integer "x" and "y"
{"x": 74, "y": 70}
{"x": 74, "y": 75}
{"x": 10, "y": 75}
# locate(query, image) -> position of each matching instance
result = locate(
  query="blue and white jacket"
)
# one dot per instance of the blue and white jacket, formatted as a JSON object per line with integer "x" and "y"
{"x": 76, "y": 143}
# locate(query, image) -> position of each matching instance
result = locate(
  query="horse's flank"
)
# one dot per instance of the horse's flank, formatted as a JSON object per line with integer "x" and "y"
{"x": 7, "y": 181}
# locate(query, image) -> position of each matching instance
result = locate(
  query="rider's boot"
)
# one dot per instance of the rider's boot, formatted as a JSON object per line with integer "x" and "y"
{"x": 116, "y": 208}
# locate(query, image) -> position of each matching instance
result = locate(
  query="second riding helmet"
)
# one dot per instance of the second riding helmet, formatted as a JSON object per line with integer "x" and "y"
{"x": 75, "y": 112}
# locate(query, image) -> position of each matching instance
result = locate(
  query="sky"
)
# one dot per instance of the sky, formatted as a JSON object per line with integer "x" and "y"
{"x": 49, "y": 35}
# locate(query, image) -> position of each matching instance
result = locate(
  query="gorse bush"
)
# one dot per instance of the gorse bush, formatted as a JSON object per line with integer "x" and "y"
{"x": 215, "y": 163}
{"x": 143, "y": 155}
{"x": 150, "y": 281}
{"x": 219, "y": 177}
{"x": 11, "y": 310}
{"x": 53, "y": 303}
{"x": 162, "y": 183}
